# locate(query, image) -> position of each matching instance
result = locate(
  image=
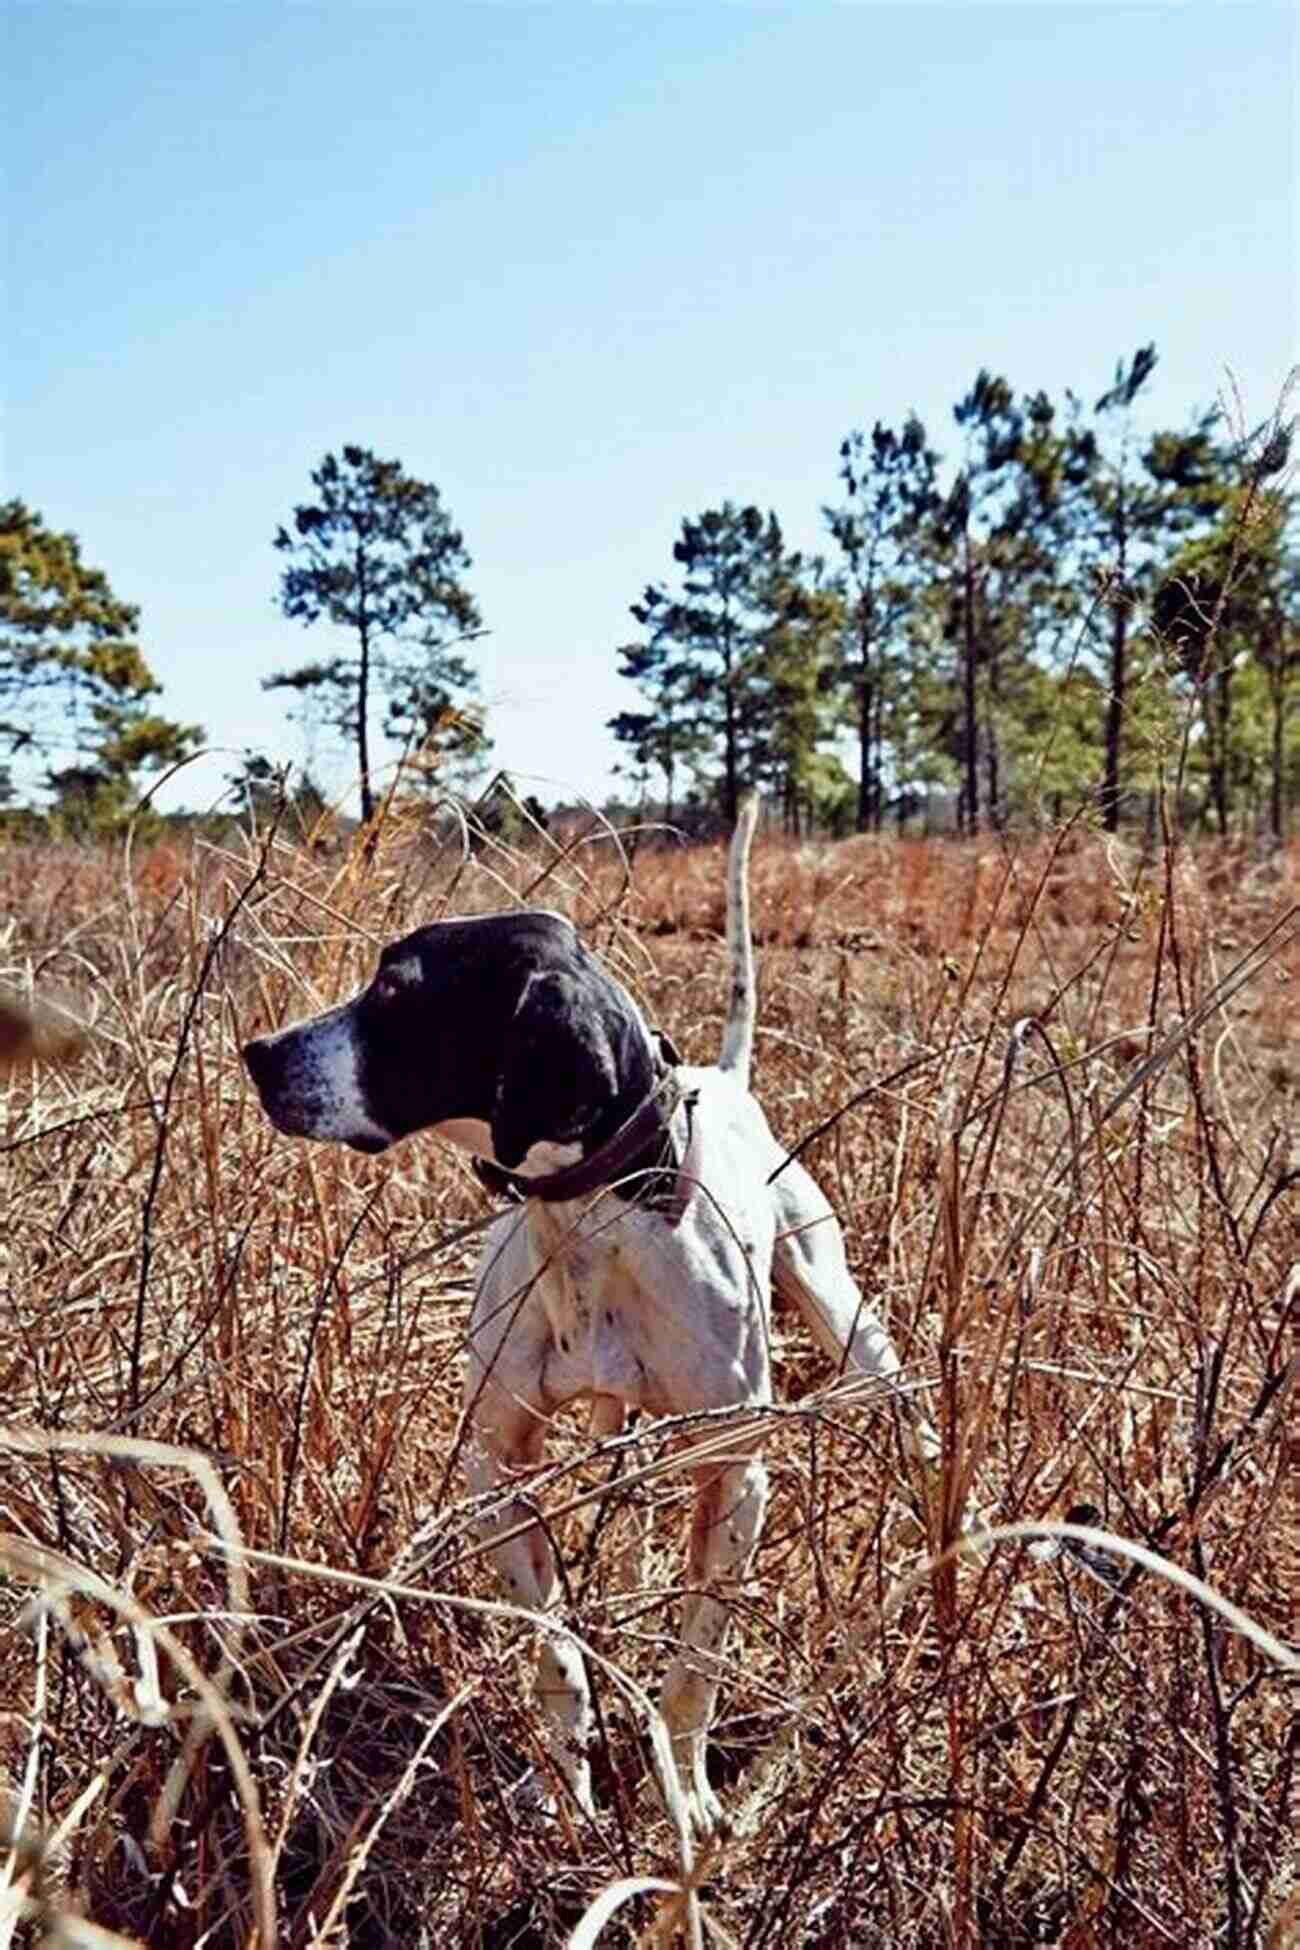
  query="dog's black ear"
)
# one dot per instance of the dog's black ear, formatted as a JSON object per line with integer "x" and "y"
{"x": 558, "y": 1069}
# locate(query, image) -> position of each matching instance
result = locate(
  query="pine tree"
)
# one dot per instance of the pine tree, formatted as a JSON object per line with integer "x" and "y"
{"x": 791, "y": 696}
{"x": 890, "y": 494}
{"x": 1128, "y": 508}
{"x": 73, "y": 679}
{"x": 377, "y": 556}
{"x": 698, "y": 658}
{"x": 1223, "y": 603}
{"x": 998, "y": 531}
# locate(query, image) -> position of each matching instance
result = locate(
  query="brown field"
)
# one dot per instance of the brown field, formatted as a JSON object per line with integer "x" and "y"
{"x": 251, "y": 1670}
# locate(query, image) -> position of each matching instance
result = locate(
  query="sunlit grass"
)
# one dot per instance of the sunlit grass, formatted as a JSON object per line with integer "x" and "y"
{"x": 1102, "y": 1307}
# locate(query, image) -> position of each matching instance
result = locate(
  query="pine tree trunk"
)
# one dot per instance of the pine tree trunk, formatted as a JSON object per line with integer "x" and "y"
{"x": 1115, "y": 719}
{"x": 731, "y": 784}
{"x": 1277, "y": 687}
{"x": 1219, "y": 695}
{"x": 878, "y": 762}
{"x": 992, "y": 752}
{"x": 1117, "y": 701}
{"x": 864, "y": 744}
{"x": 363, "y": 696}
{"x": 970, "y": 754}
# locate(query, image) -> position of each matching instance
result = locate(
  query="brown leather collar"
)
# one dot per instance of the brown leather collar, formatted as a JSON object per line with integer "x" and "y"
{"x": 640, "y": 1160}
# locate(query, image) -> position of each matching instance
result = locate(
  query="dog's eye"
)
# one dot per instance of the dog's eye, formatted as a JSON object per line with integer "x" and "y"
{"x": 387, "y": 985}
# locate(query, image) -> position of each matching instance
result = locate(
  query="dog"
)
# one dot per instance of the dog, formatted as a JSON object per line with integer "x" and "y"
{"x": 655, "y": 1214}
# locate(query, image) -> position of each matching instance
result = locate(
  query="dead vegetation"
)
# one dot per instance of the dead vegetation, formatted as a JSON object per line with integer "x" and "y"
{"x": 255, "y": 1676}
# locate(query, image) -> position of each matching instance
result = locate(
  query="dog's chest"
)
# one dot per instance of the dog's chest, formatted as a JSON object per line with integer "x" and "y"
{"x": 601, "y": 1332}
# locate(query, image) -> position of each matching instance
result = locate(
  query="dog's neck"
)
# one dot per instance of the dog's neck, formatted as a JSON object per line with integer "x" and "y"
{"x": 474, "y": 1134}
{"x": 636, "y": 1069}
{"x": 640, "y": 1071}
{"x": 626, "y": 1144}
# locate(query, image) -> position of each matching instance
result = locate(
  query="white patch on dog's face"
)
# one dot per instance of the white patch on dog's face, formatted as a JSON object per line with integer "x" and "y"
{"x": 344, "y": 1113}
{"x": 317, "y": 1093}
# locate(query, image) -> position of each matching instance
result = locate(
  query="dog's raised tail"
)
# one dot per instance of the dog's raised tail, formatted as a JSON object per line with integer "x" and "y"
{"x": 738, "y": 1036}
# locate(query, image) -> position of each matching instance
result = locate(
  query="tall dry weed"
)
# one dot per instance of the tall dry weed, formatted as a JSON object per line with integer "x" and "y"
{"x": 253, "y": 1658}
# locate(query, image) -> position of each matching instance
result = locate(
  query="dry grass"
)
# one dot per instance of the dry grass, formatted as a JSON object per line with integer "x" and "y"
{"x": 280, "y": 1684}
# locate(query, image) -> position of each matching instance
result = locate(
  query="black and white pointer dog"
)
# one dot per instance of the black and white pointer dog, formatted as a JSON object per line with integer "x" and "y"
{"x": 658, "y": 1214}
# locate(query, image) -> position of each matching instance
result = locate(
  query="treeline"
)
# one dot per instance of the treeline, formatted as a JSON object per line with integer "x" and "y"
{"x": 374, "y": 555}
{"x": 1063, "y": 611}
{"x": 1060, "y": 611}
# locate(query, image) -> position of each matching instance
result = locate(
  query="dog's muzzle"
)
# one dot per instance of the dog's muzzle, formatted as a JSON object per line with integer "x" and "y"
{"x": 307, "y": 1079}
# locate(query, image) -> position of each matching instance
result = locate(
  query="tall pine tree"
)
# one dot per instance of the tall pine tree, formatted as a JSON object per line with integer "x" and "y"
{"x": 889, "y": 496}
{"x": 75, "y": 688}
{"x": 1130, "y": 503}
{"x": 697, "y": 660}
{"x": 376, "y": 556}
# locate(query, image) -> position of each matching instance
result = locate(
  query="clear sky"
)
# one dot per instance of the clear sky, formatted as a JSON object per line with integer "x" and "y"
{"x": 590, "y": 267}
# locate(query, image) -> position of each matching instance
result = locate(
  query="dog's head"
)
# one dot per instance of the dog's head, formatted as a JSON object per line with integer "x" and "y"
{"x": 501, "y": 1032}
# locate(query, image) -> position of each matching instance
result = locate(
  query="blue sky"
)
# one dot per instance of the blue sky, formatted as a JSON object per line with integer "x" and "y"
{"x": 590, "y": 267}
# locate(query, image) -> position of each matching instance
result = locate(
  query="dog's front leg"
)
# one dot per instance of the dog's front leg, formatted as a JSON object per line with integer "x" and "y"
{"x": 525, "y": 1566}
{"x": 727, "y": 1519}
{"x": 507, "y": 1413}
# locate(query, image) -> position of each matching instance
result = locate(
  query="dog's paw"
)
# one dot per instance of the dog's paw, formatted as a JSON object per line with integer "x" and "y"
{"x": 708, "y": 1816}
